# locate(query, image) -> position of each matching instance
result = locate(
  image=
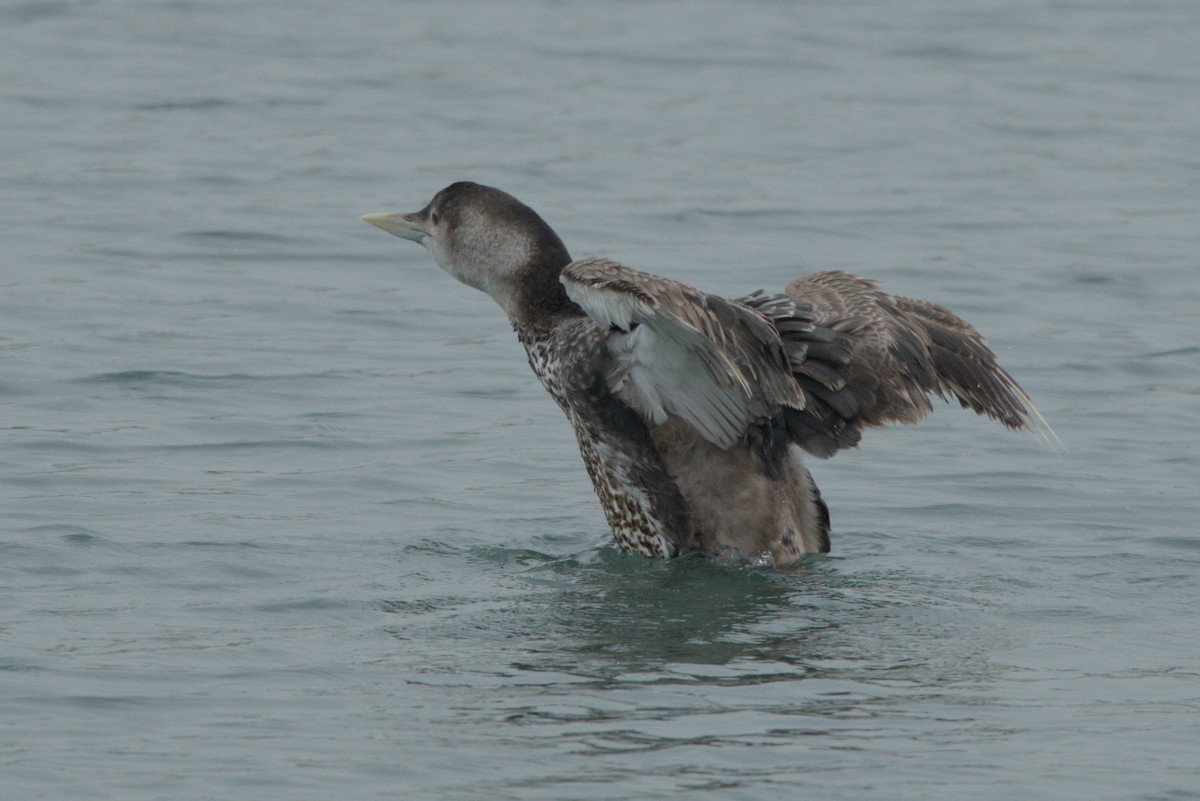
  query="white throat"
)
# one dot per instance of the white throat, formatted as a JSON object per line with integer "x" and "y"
{"x": 490, "y": 271}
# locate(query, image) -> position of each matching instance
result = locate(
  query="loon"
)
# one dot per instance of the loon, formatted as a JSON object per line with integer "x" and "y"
{"x": 691, "y": 411}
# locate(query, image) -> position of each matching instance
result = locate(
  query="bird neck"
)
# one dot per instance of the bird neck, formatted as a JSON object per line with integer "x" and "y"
{"x": 540, "y": 300}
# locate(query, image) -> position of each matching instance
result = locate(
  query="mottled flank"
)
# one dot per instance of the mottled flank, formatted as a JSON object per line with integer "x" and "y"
{"x": 691, "y": 410}
{"x": 645, "y": 511}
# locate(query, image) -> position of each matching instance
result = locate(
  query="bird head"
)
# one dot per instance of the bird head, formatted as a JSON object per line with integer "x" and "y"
{"x": 485, "y": 238}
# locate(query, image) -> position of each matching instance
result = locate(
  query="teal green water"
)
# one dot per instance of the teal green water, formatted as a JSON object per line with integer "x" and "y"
{"x": 286, "y": 516}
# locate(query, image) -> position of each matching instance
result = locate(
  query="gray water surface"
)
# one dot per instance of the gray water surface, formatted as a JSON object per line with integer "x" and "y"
{"x": 286, "y": 516}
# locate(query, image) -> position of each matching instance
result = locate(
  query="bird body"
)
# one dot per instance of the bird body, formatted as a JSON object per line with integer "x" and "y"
{"x": 691, "y": 411}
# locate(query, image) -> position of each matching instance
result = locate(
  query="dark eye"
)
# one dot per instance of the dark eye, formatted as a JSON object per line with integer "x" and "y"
{"x": 433, "y": 217}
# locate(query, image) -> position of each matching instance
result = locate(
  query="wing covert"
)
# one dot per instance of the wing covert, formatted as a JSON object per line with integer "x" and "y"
{"x": 717, "y": 364}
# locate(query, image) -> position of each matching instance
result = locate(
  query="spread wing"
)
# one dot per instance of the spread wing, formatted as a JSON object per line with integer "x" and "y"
{"x": 831, "y": 356}
{"x": 719, "y": 365}
{"x": 866, "y": 358}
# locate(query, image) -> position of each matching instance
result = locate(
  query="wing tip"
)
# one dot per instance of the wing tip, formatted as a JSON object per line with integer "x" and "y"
{"x": 1035, "y": 423}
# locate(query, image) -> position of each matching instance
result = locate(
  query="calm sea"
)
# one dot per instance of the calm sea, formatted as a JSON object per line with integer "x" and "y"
{"x": 285, "y": 515}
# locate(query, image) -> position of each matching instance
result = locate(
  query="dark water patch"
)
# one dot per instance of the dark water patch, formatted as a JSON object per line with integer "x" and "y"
{"x": 449, "y": 547}
{"x": 281, "y": 101}
{"x": 222, "y": 182}
{"x": 223, "y": 237}
{"x": 60, "y": 571}
{"x": 106, "y": 703}
{"x": 74, "y": 535}
{"x": 83, "y": 539}
{"x": 710, "y": 59}
{"x": 274, "y": 254}
{"x": 239, "y": 545}
{"x": 245, "y": 572}
{"x": 242, "y": 446}
{"x": 149, "y": 379}
{"x": 508, "y": 557}
{"x": 192, "y": 104}
{"x": 420, "y": 606}
{"x": 1191, "y": 350}
{"x": 955, "y": 54}
{"x": 1180, "y": 543}
{"x": 137, "y": 378}
{"x": 1047, "y": 132}
{"x": 22, "y": 13}
{"x": 307, "y": 605}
